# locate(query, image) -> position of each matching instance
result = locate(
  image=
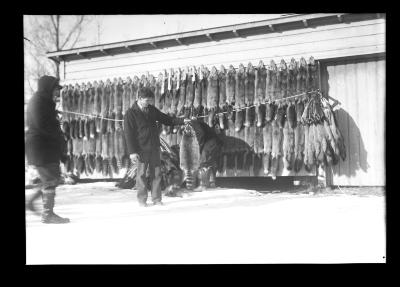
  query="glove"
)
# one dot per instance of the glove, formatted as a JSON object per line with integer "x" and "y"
{"x": 134, "y": 157}
{"x": 63, "y": 158}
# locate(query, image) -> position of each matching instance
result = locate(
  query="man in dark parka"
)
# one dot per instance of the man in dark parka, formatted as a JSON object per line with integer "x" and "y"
{"x": 143, "y": 143}
{"x": 44, "y": 145}
{"x": 210, "y": 143}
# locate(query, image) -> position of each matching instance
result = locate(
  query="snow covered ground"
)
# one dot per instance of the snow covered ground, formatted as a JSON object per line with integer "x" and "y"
{"x": 215, "y": 226}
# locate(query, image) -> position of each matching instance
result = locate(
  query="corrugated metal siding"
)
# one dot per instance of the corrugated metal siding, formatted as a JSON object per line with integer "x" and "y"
{"x": 322, "y": 42}
{"x": 360, "y": 87}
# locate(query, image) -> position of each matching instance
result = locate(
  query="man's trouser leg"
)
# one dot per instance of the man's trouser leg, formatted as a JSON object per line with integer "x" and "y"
{"x": 156, "y": 185}
{"x": 30, "y": 202}
{"x": 50, "y": 176}
{"x": 141, "y": 183}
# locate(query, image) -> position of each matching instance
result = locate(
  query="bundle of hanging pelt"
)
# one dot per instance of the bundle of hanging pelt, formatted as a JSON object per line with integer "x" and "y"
{"x": 324, "y": 143}
{"x": 170, "y": 169}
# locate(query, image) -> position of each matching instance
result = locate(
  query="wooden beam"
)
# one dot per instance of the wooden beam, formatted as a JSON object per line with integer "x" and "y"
{"x": 271, "y": 27}
{"x": 236, "y": 33}
{"x": 57, "y": 59}
{"x": 129, "y": 48}
{"x": 179, "y": 41}
{"x": 209, "y": 37}
{"x": 252, "y": 25}
{"x": 82, "y": 55}
{"x": 153, "y": 44}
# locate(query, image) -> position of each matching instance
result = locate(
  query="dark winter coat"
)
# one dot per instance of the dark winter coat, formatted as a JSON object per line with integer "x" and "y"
{"x": 141, "y": 131}
{"x": 210, "y": 144}
{"x": 44, "y": 141}
{"x": 205, "y": 133}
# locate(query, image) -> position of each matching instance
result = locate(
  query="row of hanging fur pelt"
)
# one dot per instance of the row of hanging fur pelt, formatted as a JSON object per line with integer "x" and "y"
{"x": 248, "y": 103}
{"x": 253, "y": 86}
{"x": 97, "y": 154}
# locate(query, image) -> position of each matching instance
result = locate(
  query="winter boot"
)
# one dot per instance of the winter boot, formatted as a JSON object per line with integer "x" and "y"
{"x": 48, "y": 216}
{"x": 32, "y": 198}
{"x": 211, "y": 177}
{"x": 202, "y": 177}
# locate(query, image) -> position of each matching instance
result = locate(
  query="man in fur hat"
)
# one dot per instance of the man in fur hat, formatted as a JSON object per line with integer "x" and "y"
{"x": 45, "y": 144}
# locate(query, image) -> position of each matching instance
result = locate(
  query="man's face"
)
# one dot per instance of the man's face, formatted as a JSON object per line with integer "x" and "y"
{"x": 144, "y": 102}
{"x": 56, "y": 95}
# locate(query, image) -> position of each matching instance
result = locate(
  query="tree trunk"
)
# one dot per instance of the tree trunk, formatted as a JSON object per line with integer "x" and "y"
{"x": 58, "y": 46}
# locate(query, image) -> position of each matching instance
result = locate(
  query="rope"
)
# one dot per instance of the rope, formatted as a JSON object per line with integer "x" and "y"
{"x": 236, "y": 109}
{"x": 276, "y": 100}
{"x": 92, "y": 116}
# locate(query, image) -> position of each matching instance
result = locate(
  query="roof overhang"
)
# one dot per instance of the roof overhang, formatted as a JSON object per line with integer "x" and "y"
{"x": 285, "y": 23}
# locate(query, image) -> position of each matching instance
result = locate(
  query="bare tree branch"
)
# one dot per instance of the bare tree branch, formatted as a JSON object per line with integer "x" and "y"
{"x": 54, "y": 23}
{"x": 43, "y": 32}
{"x": 77, "y": 37}
{"x": 77, "y": 25}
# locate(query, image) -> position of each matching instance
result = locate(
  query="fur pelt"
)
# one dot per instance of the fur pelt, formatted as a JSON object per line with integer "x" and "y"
{"x": 291, "y": 114}
{"x": 258, "y": 140}
{"x": 197, "y": 104}
{"x": 134, "y": 89}
{"x": 249, "y": 94}
{"x": 292, "y": 76}
{"x": 298, "y": 147}
{"x": 249, "y": 136}
{"x": 183, "y": 80}
{"x": 270, "y": 111}
{"x": 282, "y": 79}
{"x": 267, "y": 141}
{"x": 260, "y": 89}
{"x": 167, "y": 97}
{"x": 288, "y": 146}
{"x": 105, "y": 100}
{"x": 126, "y": 95}
{"x": 230, "y": 85}
{"x": 276, "y": 147}
{"x": 312, "y": 74}
{"x": 177, "y": 90}
{"x": 310, "y": 148}
{"x": 189, "y": 152}
{"x": 239, "y": 97}
{"x": 223, "y": 106}
{"x": 158, "y": 102}
{"x": 302, "y": 76}
{"x": 189, "y": 97}
{"x": 212, "y": 95}
{"x": 204, "y": 89}
{"x": 280, "y": 115}
{"x": 272, "y": 82}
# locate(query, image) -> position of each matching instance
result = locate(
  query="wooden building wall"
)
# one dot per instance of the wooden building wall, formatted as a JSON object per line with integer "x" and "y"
{"x": 359, "y": 85}
{"x": 322, "y": 42}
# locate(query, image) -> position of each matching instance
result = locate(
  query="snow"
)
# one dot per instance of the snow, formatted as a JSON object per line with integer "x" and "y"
{"x": 214, "y": 226}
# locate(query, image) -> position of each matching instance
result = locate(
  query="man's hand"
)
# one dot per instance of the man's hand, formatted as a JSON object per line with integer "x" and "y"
{"x": 185, "y": 121}
{"x": 134, "y": 157}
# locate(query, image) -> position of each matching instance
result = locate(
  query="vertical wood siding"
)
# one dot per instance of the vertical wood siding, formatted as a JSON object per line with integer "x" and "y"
{"x": 359, "y": 85}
